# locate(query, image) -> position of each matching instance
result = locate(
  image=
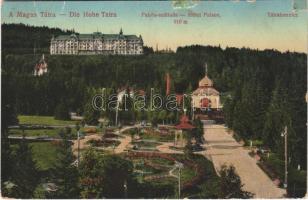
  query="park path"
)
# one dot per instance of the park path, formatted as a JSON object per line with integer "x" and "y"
{"x": 223, "y": 149}
{"x": 83, "y": 142}
{"x": 165, "y": 148}
{"x": 124, "y": 141}
{"x": 123, "y": 145}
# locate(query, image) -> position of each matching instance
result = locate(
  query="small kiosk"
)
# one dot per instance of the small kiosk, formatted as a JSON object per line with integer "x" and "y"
{"x": 183, "y": 126}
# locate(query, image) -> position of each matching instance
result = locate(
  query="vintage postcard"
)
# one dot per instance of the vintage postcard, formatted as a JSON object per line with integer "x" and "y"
{"x": 183, "y": 99}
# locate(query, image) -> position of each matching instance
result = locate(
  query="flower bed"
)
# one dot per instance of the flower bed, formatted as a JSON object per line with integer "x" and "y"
{"x": 200, "y": 171}
{"x": 90, "y": 130}
{"x": 103, "y": 143}
{"x": 110, "y": 135}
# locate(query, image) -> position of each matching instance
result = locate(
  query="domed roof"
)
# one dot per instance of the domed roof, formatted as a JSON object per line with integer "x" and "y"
{"x": 206, "y": 82}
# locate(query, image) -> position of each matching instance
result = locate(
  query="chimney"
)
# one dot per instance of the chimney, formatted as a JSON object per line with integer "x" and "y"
{"x": 168, "y": 84}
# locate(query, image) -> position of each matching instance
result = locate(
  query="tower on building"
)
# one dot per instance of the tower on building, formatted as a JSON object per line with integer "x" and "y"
{"x": 41, "y": 67}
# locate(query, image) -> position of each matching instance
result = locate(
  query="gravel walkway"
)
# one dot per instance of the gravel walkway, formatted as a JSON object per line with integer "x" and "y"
{"x": 223, "y": 149}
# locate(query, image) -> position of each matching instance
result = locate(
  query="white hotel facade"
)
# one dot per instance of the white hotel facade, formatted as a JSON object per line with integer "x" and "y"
{"x": 96, "y": 43}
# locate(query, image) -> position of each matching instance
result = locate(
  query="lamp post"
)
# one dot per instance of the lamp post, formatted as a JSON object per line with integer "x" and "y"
{"x": 117, "y": 113}
{"x": 285, "y": 135}
{"x": 179, "y": 166}
{"x": 78, "y": 144}
{"x": 192, "y": 110}
{"x": 78, "y": 150}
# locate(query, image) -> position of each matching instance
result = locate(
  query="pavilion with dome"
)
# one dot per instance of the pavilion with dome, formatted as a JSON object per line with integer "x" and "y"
{"x": 183, "y": 126}
{"x": 206, "y": 97}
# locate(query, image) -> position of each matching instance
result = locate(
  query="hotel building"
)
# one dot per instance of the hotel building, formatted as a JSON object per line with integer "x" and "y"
{"x": 96, "y": 43}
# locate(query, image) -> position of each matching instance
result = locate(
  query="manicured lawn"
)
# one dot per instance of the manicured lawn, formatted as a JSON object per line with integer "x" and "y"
{"x": 43, "y": 120}
{"x": 187, "y": 174}
{"x": 45, "y": 154}
{"x": 148, "y": 170}
{"x": 161, "y": 161}
{"x": 206, "y": 187}
{"x": 36, "y": 132}
{"x": 159, "y": 138}
{"x": 155, "y": 135}
{"x": 54, "y": 133}
{"x": 151, "y": 134}
{"x": 144, "y": 144}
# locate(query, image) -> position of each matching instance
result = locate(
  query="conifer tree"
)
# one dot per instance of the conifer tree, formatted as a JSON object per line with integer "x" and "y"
{"x": 66, "y": 173}
{"x": 25, "y": 173}
{"x": 231, "y": 184}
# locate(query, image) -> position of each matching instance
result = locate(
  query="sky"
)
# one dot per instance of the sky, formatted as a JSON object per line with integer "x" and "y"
{"x": 240, "y": 23}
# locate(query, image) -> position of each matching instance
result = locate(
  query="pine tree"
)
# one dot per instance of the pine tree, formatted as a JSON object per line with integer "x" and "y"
{"x": 8, "y": 111}
{"x": 25, "y": 172}
{"x": 198, "y": 131}
{"x": 91, "y": 115}
{"x": 117, "y": 173}
{"x": 276, "y": 119}
{"x": 66, "y": 174}
{"x": 91, "y": 175}
{"x": 162, "y": 115}
{"x": 231, "y": 184}
{"x": 126, "y": 113}
{"x": 62, "y": 111}
{"x": 297, "y": 110}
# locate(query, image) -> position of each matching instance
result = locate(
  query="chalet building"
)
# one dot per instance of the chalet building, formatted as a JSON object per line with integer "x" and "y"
{"x": 96, "y": 44}
{"x": 132, "y": 92}
{"x": 123, "y": 91}
{"x": 41, "y": 67}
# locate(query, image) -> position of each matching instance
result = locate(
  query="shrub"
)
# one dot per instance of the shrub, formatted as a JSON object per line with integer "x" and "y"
{"x": 90, "y": 130}
{"x": 297, "y": 183}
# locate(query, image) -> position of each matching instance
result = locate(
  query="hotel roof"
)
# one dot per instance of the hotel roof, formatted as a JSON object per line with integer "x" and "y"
{"x": 97, "y": 35}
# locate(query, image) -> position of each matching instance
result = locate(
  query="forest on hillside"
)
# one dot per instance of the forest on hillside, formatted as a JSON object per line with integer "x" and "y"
{"x": 26, "y": 39}
{"x": 263, "y": 91}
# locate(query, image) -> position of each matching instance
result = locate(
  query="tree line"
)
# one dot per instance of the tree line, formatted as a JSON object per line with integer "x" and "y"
{"x": 262, "y": 91}
{"x": 27, "y": 39}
